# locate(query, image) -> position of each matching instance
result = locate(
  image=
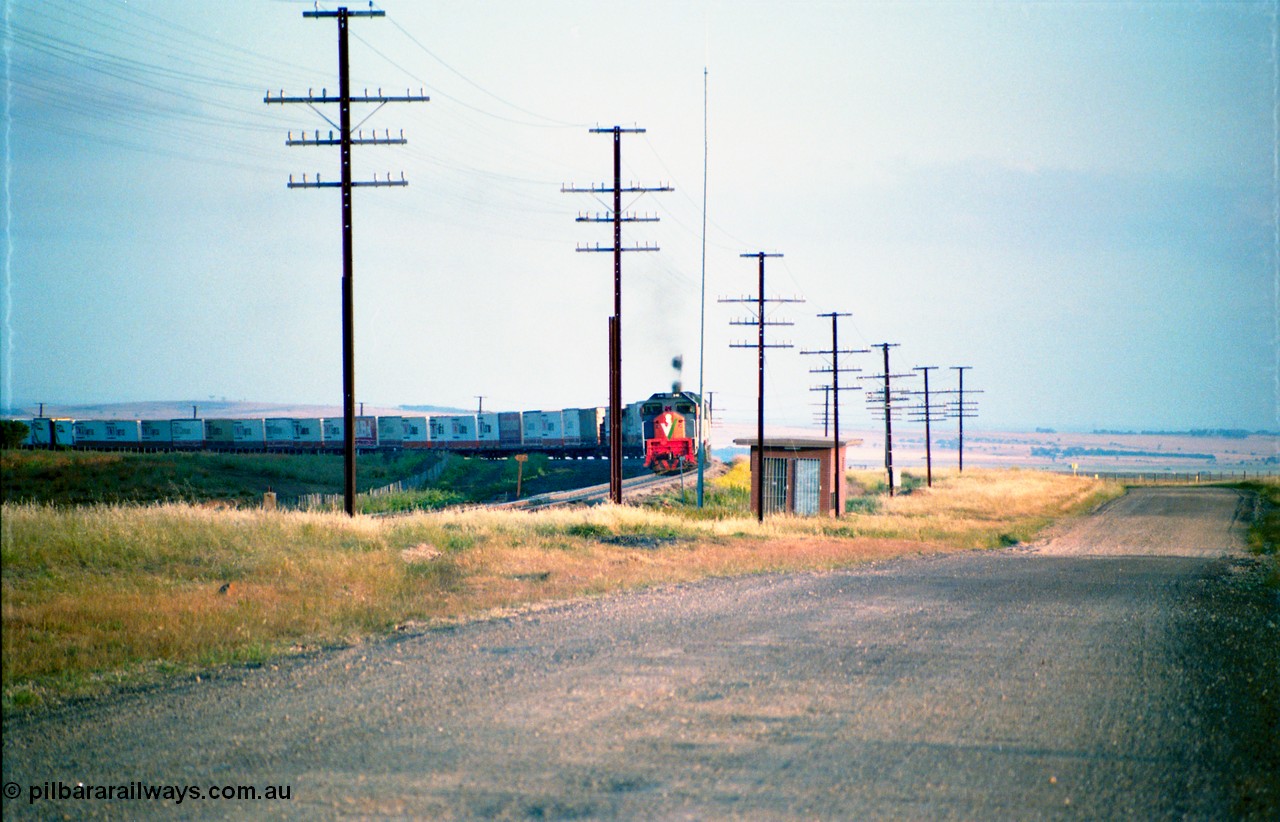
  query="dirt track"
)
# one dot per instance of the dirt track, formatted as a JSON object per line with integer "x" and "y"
{"x": 1182, "y": 522}
{"x": 1099, "y": 675}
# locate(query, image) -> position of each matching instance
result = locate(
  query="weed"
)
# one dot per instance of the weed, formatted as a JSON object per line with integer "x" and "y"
{"x": 103, "y": 595}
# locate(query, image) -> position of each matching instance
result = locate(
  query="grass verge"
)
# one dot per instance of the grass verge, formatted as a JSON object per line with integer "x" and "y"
{"x": 102, "y": 596}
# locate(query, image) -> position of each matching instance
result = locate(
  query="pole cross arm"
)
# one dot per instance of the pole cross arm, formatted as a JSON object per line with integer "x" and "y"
{"x": 407, "y": 97}
{"x": 598, "y": 247}
{"x": 369, "y": 13}
{"x": 604, "y": 188}
{"x": 625, "y": 218}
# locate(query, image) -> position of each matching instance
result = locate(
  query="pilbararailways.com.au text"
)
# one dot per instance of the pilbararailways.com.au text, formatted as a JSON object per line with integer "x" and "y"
{"x": 137, "y": 790}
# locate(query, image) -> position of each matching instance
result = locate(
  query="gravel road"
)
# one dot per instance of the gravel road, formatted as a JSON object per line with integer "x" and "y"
{"x": 1125, "y": 668}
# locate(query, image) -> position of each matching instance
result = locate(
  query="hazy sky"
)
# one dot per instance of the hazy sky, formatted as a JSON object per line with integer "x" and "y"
{"x": 1077, "y": 199}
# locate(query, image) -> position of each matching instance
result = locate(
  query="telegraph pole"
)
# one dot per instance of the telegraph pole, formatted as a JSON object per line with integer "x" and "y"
{"x": 760, "y": 322}
{"x": 835, "y": 370}
{"x": 617, "y": 218}
{"x": 887, "y": 396}
{"x": 963, "y": 409}
{"x": 345, "y": 142}
{"x": 826, "y": 407}
{"x": 925, "y": 412}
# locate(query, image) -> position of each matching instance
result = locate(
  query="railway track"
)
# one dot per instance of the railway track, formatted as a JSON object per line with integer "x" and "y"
{"x": 596, "y": 494}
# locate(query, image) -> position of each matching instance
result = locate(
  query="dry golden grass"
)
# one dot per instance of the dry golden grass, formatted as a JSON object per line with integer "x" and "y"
{"x": 100, "y": 595}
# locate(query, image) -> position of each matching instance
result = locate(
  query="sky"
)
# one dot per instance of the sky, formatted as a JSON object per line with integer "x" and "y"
{"x": 1079, "y": 200}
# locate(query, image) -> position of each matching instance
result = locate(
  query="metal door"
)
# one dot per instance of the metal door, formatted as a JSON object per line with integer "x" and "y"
{"x": 808, "y": 483}
{"x": 775, "y": 485}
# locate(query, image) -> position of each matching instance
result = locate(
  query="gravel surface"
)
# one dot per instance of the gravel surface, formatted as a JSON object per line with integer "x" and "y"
{"x": 1100, "y": 675}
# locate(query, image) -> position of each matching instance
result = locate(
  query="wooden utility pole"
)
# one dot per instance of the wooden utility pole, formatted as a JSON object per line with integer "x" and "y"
{"x": 925, "y": 413}
{"x": 887, "y": 395}
{"x": 961, "y": 408}
{"x": 835, "y": 352}
{"x": 760, "y": 322}
{"x": 345, "y": 141}
{"x": 617, "y": 218}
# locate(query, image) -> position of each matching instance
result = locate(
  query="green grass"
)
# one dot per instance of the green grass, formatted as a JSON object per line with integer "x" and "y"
{"x": 87, "y": 477}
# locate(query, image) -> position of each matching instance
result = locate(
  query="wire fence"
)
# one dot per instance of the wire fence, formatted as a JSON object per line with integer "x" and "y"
{"x": 327, "y": 502}
{"x": 1177, "y": 477}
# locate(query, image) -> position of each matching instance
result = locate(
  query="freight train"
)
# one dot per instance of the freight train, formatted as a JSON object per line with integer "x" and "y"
{"x": 661, "y": 430}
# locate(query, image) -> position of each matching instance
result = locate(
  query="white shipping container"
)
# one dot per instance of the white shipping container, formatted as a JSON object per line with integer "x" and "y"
{"x": 123, "y": 431}
{"x": 531, "y": 427}
{"x": 188, "y": 432}
{"x": 543, "y": 427}
{"x": 107, "y": 432}
{"x": 279, "y": 431}
{"x": 219, "y": 431}
{"x": 462, "y": 429}
{"x": 572, "y": 426}
{"x": 91, "y": 432}
{"x": 157, "y": 432}
{"x": 64, "y": 432}
{"x": 415, "y": 430}
{"x": 487, "y": 428}
{"x": 453, "y": 428}
{"x": 390, "y": 430}
{"x": 248, "y": 433}
{"x": 308, "y": 431}
{"x": 552, "y": 427}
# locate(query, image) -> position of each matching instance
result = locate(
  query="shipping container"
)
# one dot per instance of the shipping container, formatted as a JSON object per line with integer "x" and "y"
{"x": 219, "y": 433}
{"x": 390, "y": 431}
{"x": 572, "y": 427}
{"x": 487, "y": 430}
{"x": 545, "y": 428}
{"x": 334, "y": 428}
{"x": 590, "y": 426}
{"x": 41, "y": 429}
{"x": 156, "y": 432}
{"x": 366, "y": 432}
{"x": 187, "y": 433}
{"x": 249, "y": 434}
{"x": 531, "y": 427}
{"x": 279, "y": 432}
{"x": 91, "y": 432}
{"x": 366, "y": 435}
{"x": 114, "y": 433}
{"x": 509, "y": 429}
{"x": 307, "y": 432}
{"x": 632, "y": 440}
{"x": 458, "y": 430}
{"x": 415, "y": 432}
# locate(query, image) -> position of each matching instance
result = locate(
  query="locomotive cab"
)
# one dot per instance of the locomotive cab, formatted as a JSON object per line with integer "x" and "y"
{"x": 669, "y": 423}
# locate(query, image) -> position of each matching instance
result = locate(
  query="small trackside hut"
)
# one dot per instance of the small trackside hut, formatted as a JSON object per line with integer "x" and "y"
{"x": 801, "y": 476}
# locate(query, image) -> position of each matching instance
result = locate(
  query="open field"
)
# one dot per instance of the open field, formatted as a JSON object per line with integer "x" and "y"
{"x": 101, "y": 596}
{"x": 89, "y": 477}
